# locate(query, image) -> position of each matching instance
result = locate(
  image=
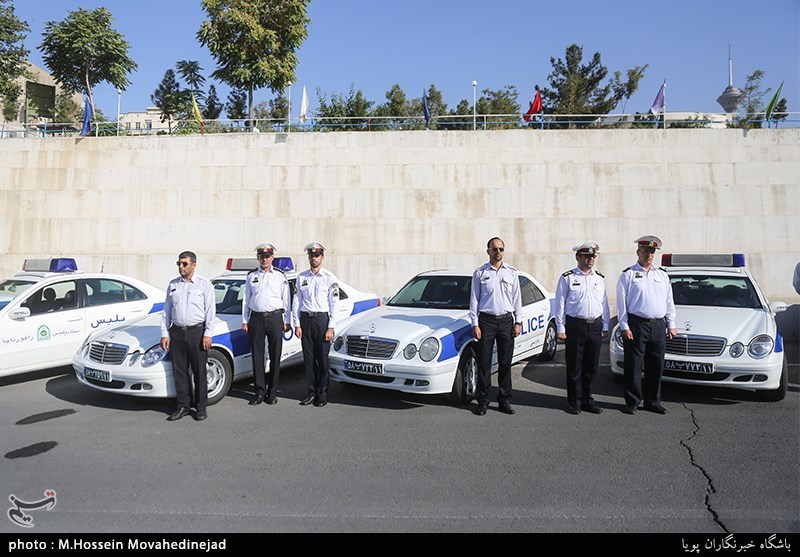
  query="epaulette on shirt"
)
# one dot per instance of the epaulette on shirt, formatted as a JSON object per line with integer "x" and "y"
{"x": 626, "y": 269}
{"x": 568, "y": 273}
{"x": 601, "y": 275}
{"x": 662, "y": 269}
{"x": 253, "y": 271}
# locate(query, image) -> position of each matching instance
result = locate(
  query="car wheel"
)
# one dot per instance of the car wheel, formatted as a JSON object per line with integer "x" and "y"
{"x": 465, "y": 383}
{"x": 779, "y": 393}
{"x": 219, "y": 375}
{"x": 550, "y": 343}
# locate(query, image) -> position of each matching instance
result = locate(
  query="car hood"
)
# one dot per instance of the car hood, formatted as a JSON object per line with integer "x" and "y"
{"x": 407, "y": 324}
{"x": 731, "y": 323}
{"x": 143, "y": 333}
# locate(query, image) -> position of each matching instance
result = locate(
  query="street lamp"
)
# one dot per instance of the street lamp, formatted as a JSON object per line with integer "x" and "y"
{"x": 119, "y": 103}
{"x": 474, "y": 106}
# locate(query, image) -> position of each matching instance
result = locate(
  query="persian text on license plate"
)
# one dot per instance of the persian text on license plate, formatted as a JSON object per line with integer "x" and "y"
{"x": 363, "y": 367}
{"x": 97, "y": 374}
{"x": 691, "y": 367}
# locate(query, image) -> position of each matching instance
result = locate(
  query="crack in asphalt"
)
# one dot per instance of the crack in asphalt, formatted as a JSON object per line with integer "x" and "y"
{"x": 710, "y": 489}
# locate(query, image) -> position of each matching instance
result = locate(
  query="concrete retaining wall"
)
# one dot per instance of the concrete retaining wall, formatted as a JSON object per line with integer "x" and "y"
{"x": 391, "y": 204}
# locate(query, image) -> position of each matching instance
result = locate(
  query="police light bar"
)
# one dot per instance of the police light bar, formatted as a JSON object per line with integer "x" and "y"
{"x": 241, "y": 264}
{"x": 702, "y": 260}
{"x": 283, "y": 263}
{"x": 55, "y": 265}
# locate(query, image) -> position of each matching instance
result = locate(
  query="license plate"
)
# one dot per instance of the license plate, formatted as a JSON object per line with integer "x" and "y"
{"x": 691, "y": 367}
{"x": 363, "y": 367}
{"x": 97, "y": 374}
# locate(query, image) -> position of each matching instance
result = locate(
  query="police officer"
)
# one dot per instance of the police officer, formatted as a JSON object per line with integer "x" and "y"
{"x": 314, "y": 317}
{"x": 582, "y": 317}
{"x": 646, "y": 315}
{"x": 186, "y": 322}
{"x": 266, "y": 313}
{"x": 495, "y": 310}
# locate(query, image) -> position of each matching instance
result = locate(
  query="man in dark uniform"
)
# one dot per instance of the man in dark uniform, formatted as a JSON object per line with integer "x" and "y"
{"x": 646, "y": 315}
{"x": 314, "y": 317}
{"x": 266, "y": 314}
{"x": 186, "y": 331}
{"x": 495, "y": 310}
{"x": 582, "y": 317}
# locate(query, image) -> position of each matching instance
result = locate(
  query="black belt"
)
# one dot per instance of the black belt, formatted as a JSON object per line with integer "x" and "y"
{"x": 640, "y": 319}
{"x": 582, "y": 320}
{"x": 493, "y": 316}
{"x": 190, "y": 327}
{"x": 268, "y": 313}
{"x": 314, "y": 313}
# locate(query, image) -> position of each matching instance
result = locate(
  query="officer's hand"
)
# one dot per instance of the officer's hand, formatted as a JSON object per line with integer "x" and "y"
{"x": 672, "y": 333}
{"x": 206, "y": 343}
{"x": 329, "y": 335}
{"x": 164, "y": 343}
{"x": 517, "y": 329}
{"x": 244, "y": 327}
{"x": 604, "y": 334}
{"x": 627, "y": 335}
{"x": 476, "y": 332}
{"x": 561, "y": 336}
{"x": 286, "y": 328}
{"x": 298, "y": 332}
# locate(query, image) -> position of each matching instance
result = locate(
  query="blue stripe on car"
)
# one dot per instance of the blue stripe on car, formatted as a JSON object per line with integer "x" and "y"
{"x": 778, "y": 343}
{"x": 236, "y": 341}
{"x": 364, "y": 305}
{"x": 4, "y": 304}
{"x": 452, "y": 343}
{"x": 157, "y": 307}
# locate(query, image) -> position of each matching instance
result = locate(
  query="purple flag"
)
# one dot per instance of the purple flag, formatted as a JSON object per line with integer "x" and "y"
{"x": 658, "y": 104}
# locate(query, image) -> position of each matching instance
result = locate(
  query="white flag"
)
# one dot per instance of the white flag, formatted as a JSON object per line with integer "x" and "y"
{"x": 304, "y": 106}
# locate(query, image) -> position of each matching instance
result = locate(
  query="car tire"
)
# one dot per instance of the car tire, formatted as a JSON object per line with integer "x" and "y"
{"x": 219, "y": 374}
{"x": 778, "y": 394}
{"x": 465, "y": 384}
{"x": 550, "y": 344}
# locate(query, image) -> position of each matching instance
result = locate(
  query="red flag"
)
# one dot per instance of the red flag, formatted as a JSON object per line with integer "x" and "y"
{"x": 536, "y": 107}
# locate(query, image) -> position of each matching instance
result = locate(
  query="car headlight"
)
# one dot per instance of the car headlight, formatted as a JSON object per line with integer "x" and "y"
{"x": 153, "y": 356}
{"x": 410, "y": 351}
{"x": 338, "y": 343}
{"x": 736, "y": 349}
{"x": 760, "y": 346}
{"x": 134, "y": 358}
{"x": 428, "y": 349}
{"x": 618, "y": 337}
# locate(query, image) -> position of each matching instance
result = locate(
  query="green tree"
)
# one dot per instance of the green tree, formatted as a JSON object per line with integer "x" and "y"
{"x": 213, "y": 107}
{"x": 395, "y": 111}
{"x": 168, "y": 98}
{"x": 189, "y": 70}
{"x": 503, "y": 101}
{"x": 84, "y": 50}
{"x": 752, "y": 102}
{"x": 254, "y": 41}
{"x": 577, "y": 88}
{"x": 67, "y": 110}
{"x": 781, "y": 111}
{"x": 349, "y": 112}
{"x": 236, "y": 106}
{"x": 461, "y": 116}
{"x": 13, "y": 56}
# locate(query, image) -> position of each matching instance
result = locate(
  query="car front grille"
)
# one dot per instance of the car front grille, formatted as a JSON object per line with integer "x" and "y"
{"x": 370, "y": 347}
{"x": 107, "y": 353}
{"x": 693, "y": 345}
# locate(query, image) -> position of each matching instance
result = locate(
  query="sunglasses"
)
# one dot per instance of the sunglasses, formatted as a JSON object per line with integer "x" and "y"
{"x": 589, "y": 255}
{"x": 315, "y": 254}
{"x": 497, "y": 249}
{"x": 266, "y": 254}
{"x": 182, "y": 263}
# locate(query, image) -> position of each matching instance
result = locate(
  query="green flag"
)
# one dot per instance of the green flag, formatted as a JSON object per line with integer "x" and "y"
{"x": 773, "y": 102}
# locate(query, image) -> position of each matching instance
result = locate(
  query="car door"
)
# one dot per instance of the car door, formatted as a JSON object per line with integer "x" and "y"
{"x": 112, "y": 302}
{"x": 535, "y": 309}
{"x": 50, "y": 335}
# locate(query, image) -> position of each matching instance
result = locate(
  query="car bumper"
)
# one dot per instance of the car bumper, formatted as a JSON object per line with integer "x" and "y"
{"x": 734, "y": 373}
{"x": 152, "y": 382}
{"x": 430, "y": 379}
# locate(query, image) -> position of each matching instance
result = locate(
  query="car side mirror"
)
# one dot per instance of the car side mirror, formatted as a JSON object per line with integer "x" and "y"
{"x": 21, "y": 313}
{"x": 777, "y": 307}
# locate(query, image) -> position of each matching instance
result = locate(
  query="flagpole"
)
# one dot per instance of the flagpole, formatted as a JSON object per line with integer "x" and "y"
{"x": 664, "y": 109}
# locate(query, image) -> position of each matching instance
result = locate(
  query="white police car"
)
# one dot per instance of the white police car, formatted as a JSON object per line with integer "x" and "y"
{"x": 727, "y": 336}
{"x": 48, "y": 309}
{"x": 129, "y": 360}
{"x": 421, "y": 340}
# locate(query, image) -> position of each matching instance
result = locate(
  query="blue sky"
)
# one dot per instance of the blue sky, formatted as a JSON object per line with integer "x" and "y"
{"x": 375, "y": 44}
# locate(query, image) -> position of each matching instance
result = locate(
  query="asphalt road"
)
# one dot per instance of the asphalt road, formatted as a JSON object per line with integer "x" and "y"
{"x": 374, "y": 461}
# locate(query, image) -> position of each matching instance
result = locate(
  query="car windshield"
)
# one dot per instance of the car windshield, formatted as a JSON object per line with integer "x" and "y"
{"x": 11, "y": 288}
{"x": 441, "y": 292}
{"x": 713, "y": 291}
{"x": 228, "y": 295}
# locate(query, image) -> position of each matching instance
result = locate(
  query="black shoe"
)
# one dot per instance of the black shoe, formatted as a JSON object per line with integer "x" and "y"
{"x": 271, "y": 399}
{"x": 574, "y": 410}
{"x": 655, "y": 407}
{"x": 506, "y": 408}
{"x": 480, "y": 410}
{"x": 591, "y": 408}
{"x": 306, "y": 401}
{"x": 629, "y": 409}
{"x": 200, "y": 415}
{"x": 178, "y": 414}
{"x": 257, "y": 400}
{"x": 320, "y": 402}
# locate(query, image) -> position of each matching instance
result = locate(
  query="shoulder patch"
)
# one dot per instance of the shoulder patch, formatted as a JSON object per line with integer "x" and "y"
{"x": 568, "y": 273}
{"x": 335, "y": 289}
